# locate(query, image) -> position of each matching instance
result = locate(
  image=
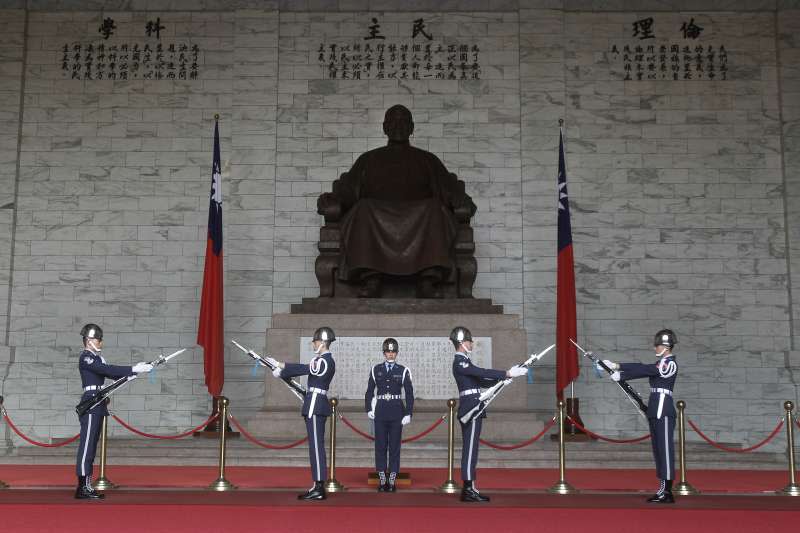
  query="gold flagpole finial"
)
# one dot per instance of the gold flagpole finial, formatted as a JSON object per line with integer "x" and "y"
{"x": 560, "y": 122}
{"x": 216, "y": 116}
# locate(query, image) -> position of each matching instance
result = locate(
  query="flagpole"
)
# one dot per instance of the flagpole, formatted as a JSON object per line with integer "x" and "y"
{"x": 565, "y": 309}
{"x": 211, "y": 341}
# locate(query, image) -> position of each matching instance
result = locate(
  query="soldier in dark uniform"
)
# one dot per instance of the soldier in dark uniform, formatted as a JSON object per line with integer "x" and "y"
{"x": 660, "y": 409}
{"x": 384, "y": 405}
{"x": 94, "y": 370}
{"x": 316, "y": 408}
{"x": 470, "y": 379}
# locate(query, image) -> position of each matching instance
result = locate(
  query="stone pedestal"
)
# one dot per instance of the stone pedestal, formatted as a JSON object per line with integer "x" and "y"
{"x": 509, "y": 417}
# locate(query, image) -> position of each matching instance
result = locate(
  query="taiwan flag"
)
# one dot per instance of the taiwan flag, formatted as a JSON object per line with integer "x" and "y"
{"x": 210, "y": 330}
{"x": 566, "y": 323}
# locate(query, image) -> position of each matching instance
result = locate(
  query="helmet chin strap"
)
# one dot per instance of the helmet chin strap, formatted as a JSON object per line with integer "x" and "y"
{"x": 319, "y": 348}
{"x": 93, "y": 346}
{"x": 659, "y": 354}
{"x": 467, "y": 351}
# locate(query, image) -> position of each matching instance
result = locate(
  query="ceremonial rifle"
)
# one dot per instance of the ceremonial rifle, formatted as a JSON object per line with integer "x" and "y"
{"x": 629, "y": 391}
{"x": 297, "y": 389}
{"x": 89, "y": 403}
{"x": 492, "y": 392}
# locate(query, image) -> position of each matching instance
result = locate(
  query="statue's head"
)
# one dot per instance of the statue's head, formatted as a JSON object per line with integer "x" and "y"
{"x": 397, "y": 123}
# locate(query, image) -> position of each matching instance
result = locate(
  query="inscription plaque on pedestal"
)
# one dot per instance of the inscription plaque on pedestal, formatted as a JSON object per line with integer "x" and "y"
{"x": 429, "y": 359}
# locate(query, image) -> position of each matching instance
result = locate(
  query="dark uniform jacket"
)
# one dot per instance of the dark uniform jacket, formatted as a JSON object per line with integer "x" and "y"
{"x": 320, "y": 373}
{"x": 393, "y": 383}
{"x": 662, "y": 376}
{"x": 472, "y": 378}
{"x": 94, "y": 371}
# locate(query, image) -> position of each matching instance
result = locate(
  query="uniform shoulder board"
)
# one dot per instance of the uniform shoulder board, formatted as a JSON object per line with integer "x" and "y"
{"x": 88, "y": 360}
{"x": 464, "y": 364}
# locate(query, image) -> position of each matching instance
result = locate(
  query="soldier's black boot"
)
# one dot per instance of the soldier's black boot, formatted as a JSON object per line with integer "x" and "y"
{"x": 317, "y": 492}
{"x": 391, "y": 487}
{"x": 85, "y": 491}
{"x": 470, "y": 494}
{"x": 383, "y": 486}
{"x": 664, "y": 494}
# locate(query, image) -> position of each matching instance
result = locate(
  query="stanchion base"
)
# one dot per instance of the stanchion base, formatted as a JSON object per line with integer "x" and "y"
{"x": 685, "y": 489}
{"x": 333, "y": 486}
{"x": 792, "y": 489}
{"x": 449, "y": 487}
{"x": 221, "y": 485}
{"x": 103, "y": 483}
{"x": 562, "y": 487}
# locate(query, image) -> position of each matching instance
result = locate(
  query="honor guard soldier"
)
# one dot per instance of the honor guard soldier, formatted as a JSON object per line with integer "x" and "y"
{"x": 384, "y": 405}
{"x": 470, "y": 379}
{"x": 660, "y": 409}
{"x": 316, "y": 408}
{"x": 94, "y": 370}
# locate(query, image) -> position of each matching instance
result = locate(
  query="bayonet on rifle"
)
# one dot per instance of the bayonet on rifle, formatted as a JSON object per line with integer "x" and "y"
{"x": 297, "y": 389}
{"x": 492, "y": 392}
{"x": 93, "y": 401}
{"x": 629, "y": 391}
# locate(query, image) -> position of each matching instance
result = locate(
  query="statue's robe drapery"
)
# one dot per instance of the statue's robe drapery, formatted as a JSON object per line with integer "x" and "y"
{"x": 399, "y": 220}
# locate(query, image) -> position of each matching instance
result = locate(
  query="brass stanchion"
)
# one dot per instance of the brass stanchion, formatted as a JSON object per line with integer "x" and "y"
{"x": 450, "y": 486}
{"x": 3, "y": 485}
{"x": 222, "y": 484}
{"x": 331, "y": 485}
{"x": 561, "y": 487}
{"x": 792, "y": 489}
{"x": 103, "y": 483}
{"x": 684, "y": 488}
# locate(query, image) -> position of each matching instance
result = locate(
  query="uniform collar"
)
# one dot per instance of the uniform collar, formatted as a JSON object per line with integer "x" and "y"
{"x": 462, "y": 354}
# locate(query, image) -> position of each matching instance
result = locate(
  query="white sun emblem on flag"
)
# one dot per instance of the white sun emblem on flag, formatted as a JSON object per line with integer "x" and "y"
{"x": 216, "y": 189}
{"x": 562, "y": 195}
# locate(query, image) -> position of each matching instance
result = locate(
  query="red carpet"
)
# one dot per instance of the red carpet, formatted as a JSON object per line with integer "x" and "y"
{"x": 255, "y": 477}
{"x": 611, "y": 501}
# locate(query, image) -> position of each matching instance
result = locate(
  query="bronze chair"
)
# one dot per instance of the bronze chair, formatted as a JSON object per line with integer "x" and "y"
{"x": 457, "y": 285}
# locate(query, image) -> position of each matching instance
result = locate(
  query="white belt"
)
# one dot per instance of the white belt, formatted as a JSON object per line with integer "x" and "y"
{"x": 469, "y": 391}
{"x": 389, "y": 397}
{"x": 318, "y": 391}
{"x": 92, "y": 387}
{"x": 661, "y": 391}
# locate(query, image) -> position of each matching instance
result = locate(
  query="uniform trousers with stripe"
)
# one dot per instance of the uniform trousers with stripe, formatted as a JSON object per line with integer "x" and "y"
{"x": 661, "y": 435}
{"x": 387, "y": 439}
{"x": 90, "y": 433}
{"x": 470, "y": 437}
{"x": 315, "y": 426}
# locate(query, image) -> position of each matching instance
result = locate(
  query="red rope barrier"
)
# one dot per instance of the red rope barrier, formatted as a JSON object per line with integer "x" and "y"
{"x": 420, "y": 435}
{"x": 607, "y": 439}
{"x": 409, "y": 439}
{"x": 521, "y": 444}
{"x": 165, "y": 437}
{"x": 737, "y": 450}
{"x": 351, "y": 426}
{"x": 37, "y": 443}
{"x": 255, "y": 441}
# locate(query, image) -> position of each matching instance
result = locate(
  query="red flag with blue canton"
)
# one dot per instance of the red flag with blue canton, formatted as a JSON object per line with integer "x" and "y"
{"x": 566, "y": 322}
{"x": 211, "y": 328}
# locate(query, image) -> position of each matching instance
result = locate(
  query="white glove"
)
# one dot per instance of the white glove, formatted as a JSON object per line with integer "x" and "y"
{"x": 142, "y": 368}
{"x": 271, "y": 360}
{"x": 517, "y": 371}
{"x": 611, "y": 364}
{"x": 616, "y": 376}
{"x": 406, "y": 420}
{"x": 277, "y": 372}
{"x": 371, "y": 415}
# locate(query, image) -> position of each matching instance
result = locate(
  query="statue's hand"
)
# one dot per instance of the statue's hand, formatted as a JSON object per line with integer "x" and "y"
{"x": 328, "y": 204}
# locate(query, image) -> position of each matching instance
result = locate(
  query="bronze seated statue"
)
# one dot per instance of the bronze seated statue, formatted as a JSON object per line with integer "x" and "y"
{"x": 397, "y": 224}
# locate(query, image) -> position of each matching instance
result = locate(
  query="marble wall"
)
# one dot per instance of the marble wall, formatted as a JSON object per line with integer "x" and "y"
{"x": 685, "y": 208}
